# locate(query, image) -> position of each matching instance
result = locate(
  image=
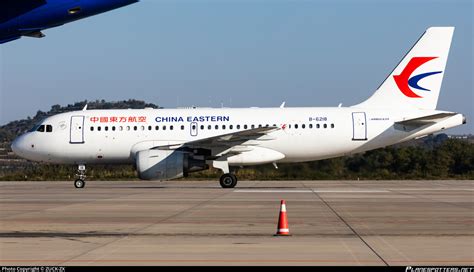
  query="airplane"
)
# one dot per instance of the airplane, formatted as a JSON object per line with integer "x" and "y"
{"x": 166, "y": 144}
{"x": 30, "y": 17}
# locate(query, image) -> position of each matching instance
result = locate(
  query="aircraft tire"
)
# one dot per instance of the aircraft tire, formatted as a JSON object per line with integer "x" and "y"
{"x": 79, "y": 183}
{"x": 228, "y": 181}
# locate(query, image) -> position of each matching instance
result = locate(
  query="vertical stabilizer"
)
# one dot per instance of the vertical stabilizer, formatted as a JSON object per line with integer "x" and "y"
{"x": 416, "y": 80}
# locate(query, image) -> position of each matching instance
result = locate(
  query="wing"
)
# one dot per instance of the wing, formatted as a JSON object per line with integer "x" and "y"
{"x": 223, "y": 142}
{"x": 10, "y": 9}
{"x": 411, "y": 124}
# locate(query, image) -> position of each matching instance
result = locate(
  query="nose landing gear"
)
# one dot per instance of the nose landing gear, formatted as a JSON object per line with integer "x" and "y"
{"x": 81, "y": 176}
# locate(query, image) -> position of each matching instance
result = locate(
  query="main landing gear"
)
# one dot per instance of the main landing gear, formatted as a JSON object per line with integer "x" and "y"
{"x": 81, "y": 176}
{"x": 228, "y": 180}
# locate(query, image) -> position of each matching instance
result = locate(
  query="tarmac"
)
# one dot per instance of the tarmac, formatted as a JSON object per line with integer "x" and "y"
{"x": 402, "y": 223}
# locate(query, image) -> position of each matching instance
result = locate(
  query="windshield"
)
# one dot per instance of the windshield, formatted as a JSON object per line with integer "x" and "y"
{"x": 35, "y": 127}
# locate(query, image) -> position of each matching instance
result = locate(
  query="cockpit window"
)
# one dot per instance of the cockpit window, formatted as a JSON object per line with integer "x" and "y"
{"x": 37, "y": 126}
{"x": 34, "y": 128}
{"x": 42, "y": 128}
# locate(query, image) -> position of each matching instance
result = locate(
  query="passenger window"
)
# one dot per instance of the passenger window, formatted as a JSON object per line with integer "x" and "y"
{"x": 128, "y": 128}
{"x": 92, "y": 128}
{"x": 310, "y": 125}
{"x": 317, "y": 126}
{"x": 303, "y": 126}
{"x": 202, "y": 127}
{"x": 106, "y": 128}
{"x": 296, "y": 126}
{"x": 223, "y": 126}
{"x": 245, "y": 126}
{"x": 238, "y": 126}
{"x": 182, "y": 127}
{"x": 49, "y": 128}
{"x": 194, "y": 127}
{"x": 216, "y": 127}
{"x": 142, "y": 128}
{"x": 113, "y": 128}
{"x": 163, "y": 128}
{"x": 209, "y": 127}
{"x": 171, "y": 127}
{"x": 135, "y": 128}
{"x": 253, "y": 126}
{"x": 98, "y": 128}
{"x": 259, "y": 126}
{"x": 325, "y": 125}
{"x": 41, "y": 128}
{"x": 150, "y": 127}
{"x": 231, "y": 127}
{"x": 332, "y": 125}
{"x": 120, "y": 128}
{"x": 157, "y": 127}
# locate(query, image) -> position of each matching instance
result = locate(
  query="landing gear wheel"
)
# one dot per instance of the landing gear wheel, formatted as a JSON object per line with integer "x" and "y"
{"x": 79, "y": 183}
{"x": 228, "y": 181}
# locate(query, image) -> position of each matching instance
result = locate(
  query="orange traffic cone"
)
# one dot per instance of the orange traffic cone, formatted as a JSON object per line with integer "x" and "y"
{"x": 282, "y": 229}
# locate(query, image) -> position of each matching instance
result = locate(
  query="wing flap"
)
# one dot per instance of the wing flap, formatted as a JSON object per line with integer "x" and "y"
{"x": 225, "y": 140}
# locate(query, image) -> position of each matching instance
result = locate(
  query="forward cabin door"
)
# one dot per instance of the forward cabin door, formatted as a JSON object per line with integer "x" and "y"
{"x": 77, "y": 130}
{"x": 359, "y": 126}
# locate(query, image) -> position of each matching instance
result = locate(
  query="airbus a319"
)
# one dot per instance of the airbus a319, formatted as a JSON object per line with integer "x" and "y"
{"x": 171, "y": 143}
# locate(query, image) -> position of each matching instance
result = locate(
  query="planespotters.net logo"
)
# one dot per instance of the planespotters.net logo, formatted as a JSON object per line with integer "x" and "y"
{"x": 439, "y": 269}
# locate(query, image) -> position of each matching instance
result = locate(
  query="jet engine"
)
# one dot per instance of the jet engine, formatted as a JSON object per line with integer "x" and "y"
{"x": 167, "y": 164}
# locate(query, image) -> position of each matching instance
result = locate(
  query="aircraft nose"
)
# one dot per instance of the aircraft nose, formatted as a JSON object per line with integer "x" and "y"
{"x": 16, "y": 146}
{"x": 19, "y": 146}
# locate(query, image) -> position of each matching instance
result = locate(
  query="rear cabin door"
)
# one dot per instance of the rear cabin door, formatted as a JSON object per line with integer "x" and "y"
{"x": 359, "y": 124}
{"x": 77, "y": 130}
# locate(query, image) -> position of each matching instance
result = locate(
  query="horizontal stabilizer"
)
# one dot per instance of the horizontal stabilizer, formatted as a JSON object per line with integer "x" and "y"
{"x": 411, "y": 124}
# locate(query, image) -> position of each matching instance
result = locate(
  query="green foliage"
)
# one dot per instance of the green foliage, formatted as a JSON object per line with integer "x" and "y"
{"x": 452, "y": 159}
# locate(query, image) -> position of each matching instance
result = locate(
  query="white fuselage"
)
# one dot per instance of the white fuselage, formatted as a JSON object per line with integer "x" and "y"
{"x": 301, "y": 134}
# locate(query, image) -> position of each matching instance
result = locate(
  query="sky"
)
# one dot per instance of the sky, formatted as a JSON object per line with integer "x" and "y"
{"x": 234, "y": 53}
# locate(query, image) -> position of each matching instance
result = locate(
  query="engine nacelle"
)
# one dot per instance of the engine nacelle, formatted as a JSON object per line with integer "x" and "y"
{"x": 166, "y": 164}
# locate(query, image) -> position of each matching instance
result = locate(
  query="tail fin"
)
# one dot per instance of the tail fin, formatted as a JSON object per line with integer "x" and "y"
{"x": 416, "y": 81}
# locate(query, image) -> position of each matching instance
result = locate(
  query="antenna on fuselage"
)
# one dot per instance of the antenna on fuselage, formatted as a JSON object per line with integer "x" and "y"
{"x": 283, "y": 104}
{"x": 85, "y": 108}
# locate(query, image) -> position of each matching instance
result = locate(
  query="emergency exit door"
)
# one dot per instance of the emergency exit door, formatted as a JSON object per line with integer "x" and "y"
{"x": 77, "y": 130}
{"x": 194, "y": 129}
{"x": 359, "y": 125}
